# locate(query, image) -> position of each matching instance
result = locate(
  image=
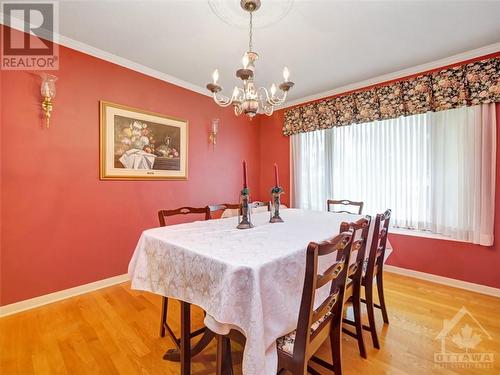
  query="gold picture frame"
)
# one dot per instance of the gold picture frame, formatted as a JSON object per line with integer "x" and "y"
{"x": 141, "y": 145}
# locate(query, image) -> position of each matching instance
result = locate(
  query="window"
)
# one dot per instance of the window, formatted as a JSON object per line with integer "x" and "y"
{"x": 436, "y": 171}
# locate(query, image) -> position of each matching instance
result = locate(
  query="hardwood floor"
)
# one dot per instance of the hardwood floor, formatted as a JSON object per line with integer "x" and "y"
{"x": 115, "y": 331}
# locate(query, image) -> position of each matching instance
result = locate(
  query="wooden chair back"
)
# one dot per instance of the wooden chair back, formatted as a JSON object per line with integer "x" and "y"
{"x": 307, "y": 343}
{"x": 259, "y": 204}
{"x": 378, "y": 245}
{"x": 162, "y": 214}
{"x": 360, "y": 230}
{"x": 344, "y": 202}
{"x": 220, "y": 208}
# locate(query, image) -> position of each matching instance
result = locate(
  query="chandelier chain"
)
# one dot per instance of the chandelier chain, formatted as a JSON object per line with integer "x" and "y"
{"x": 250, "y": 33}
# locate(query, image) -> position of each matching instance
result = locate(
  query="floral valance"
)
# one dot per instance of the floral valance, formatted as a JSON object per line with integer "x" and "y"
{"x": 469, "y": 84}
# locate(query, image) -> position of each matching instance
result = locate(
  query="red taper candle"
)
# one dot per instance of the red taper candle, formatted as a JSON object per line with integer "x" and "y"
{"x": 276, "y": 178}
{"x": 244, "y": 174}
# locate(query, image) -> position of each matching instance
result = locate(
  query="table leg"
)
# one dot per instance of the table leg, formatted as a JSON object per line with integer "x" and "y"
{"x": 185, "y": 352}
{"x": 220, "y": 355}
{"x": 224, "y": 359}
{"x": 228, "y": 368}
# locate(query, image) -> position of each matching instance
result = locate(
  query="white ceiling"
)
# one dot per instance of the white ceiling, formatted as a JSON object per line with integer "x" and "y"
{"x": 325, "y": 44}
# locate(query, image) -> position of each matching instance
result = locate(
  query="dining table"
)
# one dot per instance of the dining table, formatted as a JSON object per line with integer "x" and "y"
{"x": 246, "y": 280}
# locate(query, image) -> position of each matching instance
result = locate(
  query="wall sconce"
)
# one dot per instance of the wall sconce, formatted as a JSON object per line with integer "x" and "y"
{"x": 213, "y": 132}
{"x": 48, "y": 90}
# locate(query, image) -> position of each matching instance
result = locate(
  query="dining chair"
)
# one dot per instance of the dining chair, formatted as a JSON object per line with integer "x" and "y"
{"x": 344, "y": 202}
{"x": 315, "y": 326}
{"x": 259, "y": 206}
{"x": 162, "y": 215}
{"x": 222, "y": 208}
{"x": 360, "y": 230}
{"x": 374, "y": 271}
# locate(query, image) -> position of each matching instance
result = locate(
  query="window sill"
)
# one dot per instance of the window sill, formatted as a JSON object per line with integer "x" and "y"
{"x": 421, "y": 233}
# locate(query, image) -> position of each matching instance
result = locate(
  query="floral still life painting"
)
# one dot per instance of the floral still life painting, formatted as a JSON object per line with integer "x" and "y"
{"x": 141, "y": 145}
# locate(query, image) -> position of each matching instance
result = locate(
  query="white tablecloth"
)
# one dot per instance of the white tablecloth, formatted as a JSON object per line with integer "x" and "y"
{"x": 247, "y": 279}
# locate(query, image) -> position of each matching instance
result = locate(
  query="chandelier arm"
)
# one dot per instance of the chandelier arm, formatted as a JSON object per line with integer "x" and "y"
{"x": 267, "y": 98}
{"x": 282, "y": 99}
{"x": 222, "y": 100}
{"x": 279, "y": 100}
{"x": 266, "y": 106}
{"x": 270, "y": 112}
{"x": 273, "y": 100}
{"x": 276, "y": 101}
{"x": 266, "y": 109}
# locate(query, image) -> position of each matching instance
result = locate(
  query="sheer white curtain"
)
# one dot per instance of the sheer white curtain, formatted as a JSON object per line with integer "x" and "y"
{"x": 436, "y": 171}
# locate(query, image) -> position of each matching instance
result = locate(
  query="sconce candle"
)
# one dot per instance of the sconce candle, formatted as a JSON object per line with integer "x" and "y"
{"x": 48, "y": 91}
{"x": 245, "y": 185}
{"x": 276, "y": 175}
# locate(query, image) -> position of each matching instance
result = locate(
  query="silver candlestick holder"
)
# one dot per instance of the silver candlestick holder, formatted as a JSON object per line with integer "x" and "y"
{"x": 275, "y": 205}
{"x": 245, "y": 216}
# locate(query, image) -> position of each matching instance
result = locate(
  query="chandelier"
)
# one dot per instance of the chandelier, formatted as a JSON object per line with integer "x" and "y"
{"x": 249, "y": 99}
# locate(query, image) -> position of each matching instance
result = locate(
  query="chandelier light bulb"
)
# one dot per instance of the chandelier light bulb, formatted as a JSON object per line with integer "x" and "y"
{"x": 245, "y": 61}
{"x": 286, "y": 74}
{"x": 273, "y": 89}
{"x": 215, "y": 76}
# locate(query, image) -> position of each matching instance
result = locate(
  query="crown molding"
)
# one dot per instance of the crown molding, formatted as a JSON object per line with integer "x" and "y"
{"x": 472, "y": 54}
{"x": 115, "y": 59}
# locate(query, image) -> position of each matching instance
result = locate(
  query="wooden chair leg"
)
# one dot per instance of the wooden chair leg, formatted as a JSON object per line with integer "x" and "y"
{"x": 163, "y": 317}
{"x": 356, "y": 306}
{"x": 380, "y": 289}
{"x": 371, "y": 314}
{"x": 336, "y": 343}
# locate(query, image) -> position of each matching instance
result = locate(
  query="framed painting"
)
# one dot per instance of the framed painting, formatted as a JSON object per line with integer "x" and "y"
{"x": 140, "y": 145}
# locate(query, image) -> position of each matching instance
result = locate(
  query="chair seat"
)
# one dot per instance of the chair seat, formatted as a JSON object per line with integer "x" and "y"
{"x": 286, "y": 343}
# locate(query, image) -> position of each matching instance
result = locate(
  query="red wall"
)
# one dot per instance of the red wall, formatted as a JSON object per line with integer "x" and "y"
{"x": 457, "y": 260}
{"x": 61, "y": 225}
{"x": 274, "y": 148}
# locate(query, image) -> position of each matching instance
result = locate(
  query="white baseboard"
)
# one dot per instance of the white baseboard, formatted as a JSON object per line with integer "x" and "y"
{"x": 478, "y": 288}
{"x": 82, "y": 289}
{"x": 31, "y": 303}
